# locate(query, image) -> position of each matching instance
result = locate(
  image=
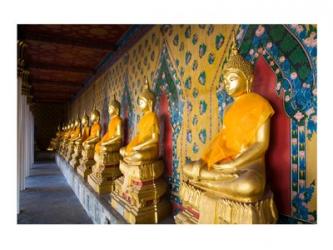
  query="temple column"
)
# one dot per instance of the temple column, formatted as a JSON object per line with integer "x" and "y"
{"x": 31, "y": 140}
{"x": 20, "y": 179}
{"x": 25, "y": 144}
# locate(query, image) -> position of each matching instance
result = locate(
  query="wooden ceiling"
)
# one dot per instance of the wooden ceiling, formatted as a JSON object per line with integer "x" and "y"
{"x": 61, "y": 58}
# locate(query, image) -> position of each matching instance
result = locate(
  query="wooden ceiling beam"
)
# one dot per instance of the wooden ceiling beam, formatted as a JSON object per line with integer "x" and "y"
{"x": 85, "y": 43}
{"x": 50, "y": 86}
{"x": 52, "y": 95}
{"x": 56, "y": 83}
{"x": 48, "y": 100}
{"x": 64, "y": 68}
{"x": 53, "y": 89}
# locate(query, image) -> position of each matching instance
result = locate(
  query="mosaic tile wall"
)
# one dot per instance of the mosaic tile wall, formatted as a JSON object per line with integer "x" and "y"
{"x": 185, "y": 62}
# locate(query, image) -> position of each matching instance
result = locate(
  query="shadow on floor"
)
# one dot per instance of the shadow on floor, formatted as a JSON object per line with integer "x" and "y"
{"x": 48, "y": 199}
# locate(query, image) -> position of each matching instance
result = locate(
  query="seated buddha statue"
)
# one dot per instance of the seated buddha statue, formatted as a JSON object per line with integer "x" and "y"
{"x": 55, "y": 140}
{"x": 73, "y": 137}
{"x": 106, "y": 168}
{"x": 66, "y": 138}
{"x": 144, "y": 146}
{"x": 61, "y": 139}
{"x": 230, "y": 175}
{"x": 87, "y": 160}
{"x": 141, "y": 191}
{"x": 69, "y": 136}
{"x": 83, "y": 135}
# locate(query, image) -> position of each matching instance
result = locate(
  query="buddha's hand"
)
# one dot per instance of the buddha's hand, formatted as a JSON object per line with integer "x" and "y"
{"x": 122, "y": 151}
{"x": 192, "y": 170}
{"x": 226, "y": 167}
{"x": 226, "y": 170}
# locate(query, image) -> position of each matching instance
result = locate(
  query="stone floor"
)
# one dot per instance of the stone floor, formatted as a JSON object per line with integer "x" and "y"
{"x": 48, "y": 199}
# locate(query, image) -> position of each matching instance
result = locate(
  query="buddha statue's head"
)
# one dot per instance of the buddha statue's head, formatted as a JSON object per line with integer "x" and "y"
{"x": 85, "y": 119}
{"x": 146, "y": 100}
{"x": 95, "y": 115}
{"x": 237, "y": 74}
{"x": 114, "y": 107}
{"x": 72, "y": 125}
{"x": 77, "y": 122}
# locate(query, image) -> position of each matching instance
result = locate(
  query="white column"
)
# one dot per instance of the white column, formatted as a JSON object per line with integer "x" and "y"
{"x": 21, "y": 153}
{"x": 21, "y": 140}
{"x": 31, "y": 146}
{"x": 18, "y": 160}
{"x": 26, "y": 139}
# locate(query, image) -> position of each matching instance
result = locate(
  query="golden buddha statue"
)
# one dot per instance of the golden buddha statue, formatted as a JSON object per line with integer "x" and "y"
{"x": 73, "y": 137}
{"x": 69, "y": 135}
{"x": 84, "y": 134}
{"x": 87, "y": 160}
{"x": 65, "y": 139}
{"x": 54, "y": 143}
{"x": 228, "y": 183}
{"x": 61, "y": 139}
{"x": 106, "y": 168}
{"x": 140, "y": 194}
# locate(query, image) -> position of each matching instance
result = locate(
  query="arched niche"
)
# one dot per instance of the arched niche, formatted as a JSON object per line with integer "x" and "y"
{"x": 169, "y": 106}
{"x": 278, "y": 154}
{"x": 289, "y": 52}
{"x": 127, "y": 112}
{"x": 105, "y": 114}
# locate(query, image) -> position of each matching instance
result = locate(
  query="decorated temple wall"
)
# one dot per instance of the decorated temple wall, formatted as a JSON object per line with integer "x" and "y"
{"x": 185, "y": 63}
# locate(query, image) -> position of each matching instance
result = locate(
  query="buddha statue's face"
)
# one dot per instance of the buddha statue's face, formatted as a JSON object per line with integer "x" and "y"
{"x": 235, "y": 83}
{"x": 143, "y": 104}
{"x": 84, "y": 121}
{"x": 113, "y": 110}
{"x": 94, "y": 117}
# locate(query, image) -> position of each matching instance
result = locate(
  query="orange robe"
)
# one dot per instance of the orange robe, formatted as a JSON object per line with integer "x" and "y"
{"x": 68, "y": 134}
{"x": 75, "y": 133}
{"x": 85, "y": 132}
{"x": 240, "y": 125}
{"x": 146, "y": 127}
{"x": 95, "y": 129}
{"x": 112, "y": 129}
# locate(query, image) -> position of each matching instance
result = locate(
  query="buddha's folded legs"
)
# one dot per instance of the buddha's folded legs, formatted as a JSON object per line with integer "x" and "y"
{"x": 142, "y": 155}
{"x": 247, "y": 186}
{"x": 96, "y": 157}
{"x": 192, "y": 170}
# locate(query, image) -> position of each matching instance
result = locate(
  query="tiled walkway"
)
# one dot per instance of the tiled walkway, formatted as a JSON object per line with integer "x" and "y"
{"x": 48, "y": 199}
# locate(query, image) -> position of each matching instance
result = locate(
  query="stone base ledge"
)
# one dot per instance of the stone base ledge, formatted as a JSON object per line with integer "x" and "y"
{"x": 97, "y": 207}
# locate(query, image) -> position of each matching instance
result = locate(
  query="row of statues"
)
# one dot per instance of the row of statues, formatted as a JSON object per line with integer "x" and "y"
{"x": 226, "y": 185}
{"x": 131, "y": 174}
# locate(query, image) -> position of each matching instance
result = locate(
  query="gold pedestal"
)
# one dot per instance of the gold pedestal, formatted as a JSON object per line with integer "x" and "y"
{"x": 70, "y": 151}
{"x": 75, "y": 161}
{"x": 202, "y": 207}
{"x": 86, "y": 162}
{"x": 63, "y": 148}
{"x": 139, "y": 196}
{"x": 105, "y": 172}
